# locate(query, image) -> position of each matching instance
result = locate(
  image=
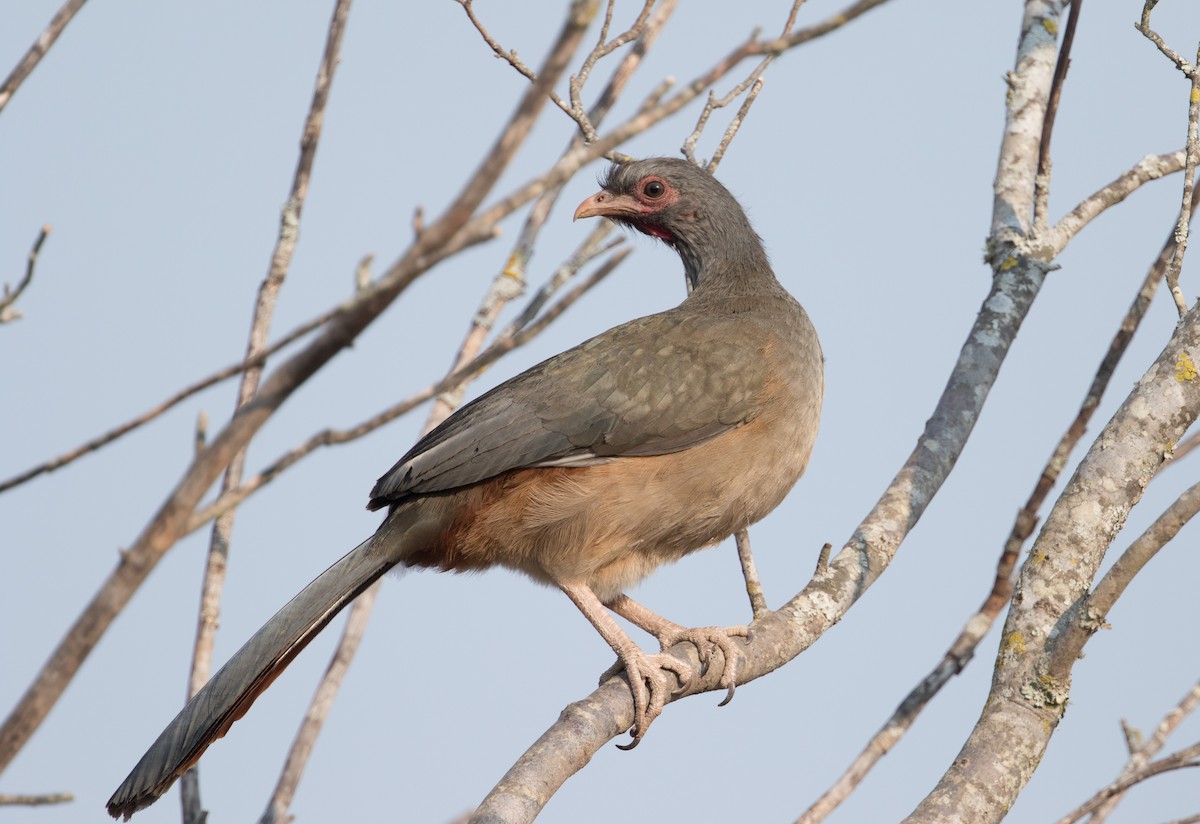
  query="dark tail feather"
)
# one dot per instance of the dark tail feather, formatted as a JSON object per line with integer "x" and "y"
{"x": 227, "y": 696}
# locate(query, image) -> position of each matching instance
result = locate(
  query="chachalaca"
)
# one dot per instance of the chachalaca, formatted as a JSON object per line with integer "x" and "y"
{"x": 586, "y": 472}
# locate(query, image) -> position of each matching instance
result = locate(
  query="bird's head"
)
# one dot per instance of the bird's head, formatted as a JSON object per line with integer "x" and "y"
{"x": 681, "y": 204}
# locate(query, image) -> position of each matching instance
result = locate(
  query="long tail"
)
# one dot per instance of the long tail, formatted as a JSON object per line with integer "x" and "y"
{"x": 227, "y": 696}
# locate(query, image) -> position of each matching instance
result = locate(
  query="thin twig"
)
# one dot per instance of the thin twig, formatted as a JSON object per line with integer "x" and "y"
{"x": 1189, "y": 183}
{"x": 264, "y": 311}
{"x": 689, "y": 145}
{"x": 1092, "y": 611}
{"x": 1142, "y": 751}
{"x": 10, "y": 800}
{"x": 509, "y": 56}
{"x": 1192, "y": 152}
{"x": 604, "y": 47}
{"x": 38, "y": 50}
{"x": 753, "y": 83}
{"x": 1041, "y": 196}
{"x": 7, "y": 313}
{"x": 754, "y": 590}
{"x": 830, "y": 24}
{"x": 1143, "y": 26}
{"x": 174, "y": 400}
{"x": 734, "y": 125}
{"x": 1048, "y": 245}
{"x": 1185, "y": 447}
{"x": 1183, "y": 759}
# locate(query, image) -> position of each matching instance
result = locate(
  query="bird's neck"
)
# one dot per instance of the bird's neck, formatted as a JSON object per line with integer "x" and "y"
{"x": 741, "y": 270}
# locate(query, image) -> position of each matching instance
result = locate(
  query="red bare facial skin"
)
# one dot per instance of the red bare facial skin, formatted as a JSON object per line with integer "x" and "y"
{"x": 651, "y": 196}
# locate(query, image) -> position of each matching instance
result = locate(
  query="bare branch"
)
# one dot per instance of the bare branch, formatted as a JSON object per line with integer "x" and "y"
{"x": 1189, "y": 182}
{"x": 754, "y": 83}
{"x": 1192, "y": 153}
{"x": 829, "y": 24}
{"x": 1149, "y": 168}
{"x": 1142, "y": 751}
{"x": 9, "y": 800}
{"x": 1143, "y": 26}
{"x": 509, "y": 57}
{"x": 264, "y": 311}
{"x": 171, "y": 402}
{"x": 38, "y": 50}
{"x": 1093, "y": 610}
{"x": 461, "y": 225}
{"x": 734, "y": 125}
{"x": 758, "y": 602}
{"x": 1183, "y": 759}
{"x": 1041, "y": 196}
{"x": 603, "y": 48}
{"x": 7, "y": 313}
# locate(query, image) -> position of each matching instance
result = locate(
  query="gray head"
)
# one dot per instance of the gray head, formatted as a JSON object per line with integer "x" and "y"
{"x": 685, "y": 207}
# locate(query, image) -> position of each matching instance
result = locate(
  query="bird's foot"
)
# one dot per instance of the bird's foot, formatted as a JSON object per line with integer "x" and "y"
{"x": 650, "y": 685}
{"x": 706, "y": 639}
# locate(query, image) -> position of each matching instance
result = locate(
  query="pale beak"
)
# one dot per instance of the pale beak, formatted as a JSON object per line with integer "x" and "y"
{"x": 606, "y": 204}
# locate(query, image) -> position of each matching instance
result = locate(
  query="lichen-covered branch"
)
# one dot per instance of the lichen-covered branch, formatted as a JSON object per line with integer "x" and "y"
{"x": 1028, "y": 697}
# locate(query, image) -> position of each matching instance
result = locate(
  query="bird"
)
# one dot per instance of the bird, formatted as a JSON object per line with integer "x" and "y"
{"x": 586, "y": 472}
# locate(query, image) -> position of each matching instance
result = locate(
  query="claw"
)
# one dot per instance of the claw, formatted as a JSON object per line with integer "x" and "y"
{"x": 649, "y": 687}
{"x": 705, "y": 639}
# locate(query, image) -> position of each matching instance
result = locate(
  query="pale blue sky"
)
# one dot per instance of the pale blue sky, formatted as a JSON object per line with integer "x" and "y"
{"x": 159, "y": 141}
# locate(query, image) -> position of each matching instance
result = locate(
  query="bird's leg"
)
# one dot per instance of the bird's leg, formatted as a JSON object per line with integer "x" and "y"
{"x": 646, "y": 673}
{"x": 669, "y": 633}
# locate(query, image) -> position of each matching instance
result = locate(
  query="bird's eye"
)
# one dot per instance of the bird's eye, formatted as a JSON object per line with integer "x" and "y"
{"x": 654, "y": 189}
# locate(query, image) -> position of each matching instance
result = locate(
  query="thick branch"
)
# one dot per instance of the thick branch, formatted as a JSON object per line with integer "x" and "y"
{"x": 1027, "y": 699}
